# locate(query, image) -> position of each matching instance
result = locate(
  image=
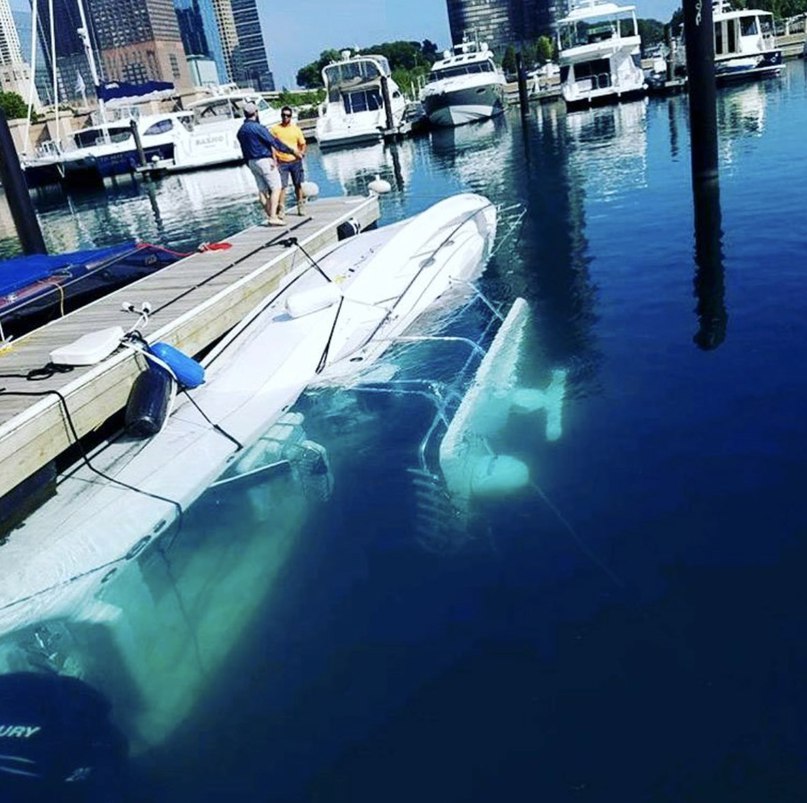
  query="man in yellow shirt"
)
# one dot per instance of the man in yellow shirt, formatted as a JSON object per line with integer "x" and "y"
{"x": 289, "y": 165}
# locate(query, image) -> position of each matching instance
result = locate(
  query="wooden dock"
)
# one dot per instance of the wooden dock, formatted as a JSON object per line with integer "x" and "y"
{"x": 195, "y": 301}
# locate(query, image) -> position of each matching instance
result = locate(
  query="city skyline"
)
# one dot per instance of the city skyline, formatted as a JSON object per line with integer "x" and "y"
{"x": 294, "y": 39}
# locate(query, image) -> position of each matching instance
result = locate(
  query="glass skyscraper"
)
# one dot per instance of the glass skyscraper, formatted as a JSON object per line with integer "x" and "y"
{"x": 502, "y": 22}
{"x": 250, "y": 63}
{"x": 200, "y": 32}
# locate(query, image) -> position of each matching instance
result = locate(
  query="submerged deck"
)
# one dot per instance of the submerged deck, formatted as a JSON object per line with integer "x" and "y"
{"x": 195, "y": 301}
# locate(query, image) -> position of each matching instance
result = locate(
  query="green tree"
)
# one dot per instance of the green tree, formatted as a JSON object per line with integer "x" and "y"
{"x": 13, "y": 105}
{"x": 651, "y": 32}
{"x": 509, "y": 60}
{"x": 545, "y": 49}
{"x": 310, "y": 76}
{"x": 529, "y": 55}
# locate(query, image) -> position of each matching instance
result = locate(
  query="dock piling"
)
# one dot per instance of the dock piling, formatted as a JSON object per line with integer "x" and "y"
{"x": 16, "y": 188}
{"x": 699, "y": 35}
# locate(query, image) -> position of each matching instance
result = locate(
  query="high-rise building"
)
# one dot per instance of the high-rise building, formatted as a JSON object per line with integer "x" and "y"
{"x": 139, "y": 41}
{"x": 502, "y": 22}
{"x": 227, "y": 33}
{"x": 199, "y": 30}
{"x": 23, "y": 19}
{"x": 69, "y": 59}
{"x": 250, "y": 62}
{"x": 15, "y": 74}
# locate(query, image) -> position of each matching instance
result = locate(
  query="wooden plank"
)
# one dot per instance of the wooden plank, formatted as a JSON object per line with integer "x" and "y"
{"x": 34, "y": 431}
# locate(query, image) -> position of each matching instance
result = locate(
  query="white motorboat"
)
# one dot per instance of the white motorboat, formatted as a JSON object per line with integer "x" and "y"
{"x": 599, "y": 52}
{"x": 362, "y": 101}
{"x": 208, "y": 136}
{"x": 103, "y": 150}
{"x": 464, "y": 86}
{"x": 744, "y": 42}
{"x": 76, "y": 580}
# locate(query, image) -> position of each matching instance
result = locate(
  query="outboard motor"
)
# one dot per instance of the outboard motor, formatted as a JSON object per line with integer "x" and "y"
{"x": 57, "y": 743}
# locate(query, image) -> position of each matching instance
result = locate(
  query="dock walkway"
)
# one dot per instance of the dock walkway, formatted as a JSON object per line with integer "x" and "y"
{"x": 194, "y": 302}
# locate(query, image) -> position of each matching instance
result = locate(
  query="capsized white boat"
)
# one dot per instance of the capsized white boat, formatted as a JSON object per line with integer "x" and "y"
{"x": 64, "y": 567}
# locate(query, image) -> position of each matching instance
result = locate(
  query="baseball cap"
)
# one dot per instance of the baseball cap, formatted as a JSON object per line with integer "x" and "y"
{"x": 250, "y": 109}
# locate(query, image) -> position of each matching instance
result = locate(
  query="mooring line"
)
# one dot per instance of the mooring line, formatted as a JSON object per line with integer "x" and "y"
{"x": 584, "y": 547}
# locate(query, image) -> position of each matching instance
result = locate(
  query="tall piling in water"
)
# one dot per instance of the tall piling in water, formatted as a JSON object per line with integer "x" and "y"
{"x": 699, "y": 40}
{"x": 19, "y": 201}
{"x": 523, "y": 97}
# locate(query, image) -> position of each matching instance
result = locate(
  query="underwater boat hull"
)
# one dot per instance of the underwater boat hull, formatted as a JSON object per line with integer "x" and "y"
{"x": 66, "y": 560}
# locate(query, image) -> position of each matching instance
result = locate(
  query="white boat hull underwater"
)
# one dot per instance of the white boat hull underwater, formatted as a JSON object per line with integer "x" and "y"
{"x": 118, "y": 578}
{"x": 599, "y": 53}
{"x": 464, "y": 86}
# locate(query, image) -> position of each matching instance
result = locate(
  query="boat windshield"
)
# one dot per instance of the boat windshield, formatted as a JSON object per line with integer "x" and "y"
{"x": 587, "y": 32}
{"x": 355, "y": 71}
{"x": 160, "y": 127}
{"x": 363, "y": 100}
{"x": 461, "y": 69}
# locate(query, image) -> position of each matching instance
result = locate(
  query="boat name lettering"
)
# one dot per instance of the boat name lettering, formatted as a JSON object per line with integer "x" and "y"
{"x": 210, "y": 139}
{"x": 19, "y": 731}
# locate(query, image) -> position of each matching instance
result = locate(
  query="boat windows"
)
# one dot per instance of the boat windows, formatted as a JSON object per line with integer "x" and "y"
{"x": 718, "y": 38}
{"x": 95, "y": 136}
{"x": 365, "y": 100}
{"x": 732, "y": 36}
{"x": 347, "y": 73}
{"x": 464, "y": 69}
{"x": 160, "y": 127}
{"x": 598, "y": 71}
{"x": 748, "y": 26}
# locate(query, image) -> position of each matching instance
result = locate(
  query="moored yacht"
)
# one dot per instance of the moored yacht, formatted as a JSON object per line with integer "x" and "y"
{"x": 102, "y": 150}
{"x": 464, "y": 86}
{"x": 745, "y": 45}
{"x": 599, "y": 51}
{"x": 362, "y": 101}
{"x": 208, "y": 135}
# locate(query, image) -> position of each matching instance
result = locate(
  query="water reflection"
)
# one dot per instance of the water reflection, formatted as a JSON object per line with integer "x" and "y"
{"x": 476, "y": 154}
{"x": 741, "y": 110}
{"x": 609, "y": 146}
{"x": 354, "y": 168}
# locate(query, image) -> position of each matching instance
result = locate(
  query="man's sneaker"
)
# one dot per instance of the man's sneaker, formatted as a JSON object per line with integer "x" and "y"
{"x": 301, "y": 208}
{"x": 275, "y": 221}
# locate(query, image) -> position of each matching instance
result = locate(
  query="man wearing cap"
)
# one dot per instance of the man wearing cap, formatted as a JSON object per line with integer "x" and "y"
{"x": 256, "y": 146}
{"x": 290, "y": 167}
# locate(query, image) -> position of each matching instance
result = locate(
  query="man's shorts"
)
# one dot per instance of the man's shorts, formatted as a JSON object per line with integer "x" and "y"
{"x": 266, "y": 176}
{"x": 293, "y": 170}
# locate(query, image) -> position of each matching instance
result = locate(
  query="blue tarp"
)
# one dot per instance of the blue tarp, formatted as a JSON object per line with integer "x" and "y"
{"x": 121, "y": 91}
{"x": 22, "y": 271}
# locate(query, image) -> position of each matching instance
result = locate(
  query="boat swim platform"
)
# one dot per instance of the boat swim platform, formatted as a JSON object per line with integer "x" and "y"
{"x": 194, "y": 301}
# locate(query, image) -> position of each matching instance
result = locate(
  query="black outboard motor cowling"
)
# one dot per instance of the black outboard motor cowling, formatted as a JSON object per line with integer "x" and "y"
{"x": 57, "y": 743}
